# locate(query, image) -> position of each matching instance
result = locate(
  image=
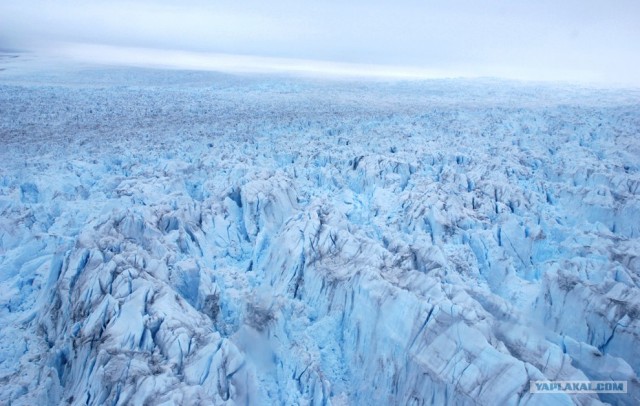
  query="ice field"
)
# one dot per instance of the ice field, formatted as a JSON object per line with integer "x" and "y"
{"x": 183, "y": 237}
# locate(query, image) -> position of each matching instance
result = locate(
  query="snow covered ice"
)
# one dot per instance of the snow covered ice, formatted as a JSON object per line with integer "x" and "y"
{"x": 176, "y": 237}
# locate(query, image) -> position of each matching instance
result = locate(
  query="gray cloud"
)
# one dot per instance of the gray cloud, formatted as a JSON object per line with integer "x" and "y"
{"x": 593, "y": 41}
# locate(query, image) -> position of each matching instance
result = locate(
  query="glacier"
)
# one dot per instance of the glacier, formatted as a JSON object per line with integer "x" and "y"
{"x": 184, "y": 237}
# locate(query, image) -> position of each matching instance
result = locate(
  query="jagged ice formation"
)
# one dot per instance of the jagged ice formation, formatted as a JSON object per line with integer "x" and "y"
{"x": 173, "y": 237}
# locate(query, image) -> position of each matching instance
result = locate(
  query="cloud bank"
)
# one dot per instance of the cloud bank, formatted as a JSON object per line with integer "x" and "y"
{"x": 583, "y": 41}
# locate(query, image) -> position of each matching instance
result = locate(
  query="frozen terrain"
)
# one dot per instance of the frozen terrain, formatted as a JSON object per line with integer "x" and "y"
{"x": 174, "y": 237}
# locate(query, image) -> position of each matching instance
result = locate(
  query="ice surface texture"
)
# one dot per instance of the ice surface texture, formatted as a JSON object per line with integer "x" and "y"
{"x": 192, "y": 238}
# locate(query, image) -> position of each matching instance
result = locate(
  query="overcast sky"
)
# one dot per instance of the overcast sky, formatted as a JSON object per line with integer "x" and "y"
{"x": 588, "y": 40}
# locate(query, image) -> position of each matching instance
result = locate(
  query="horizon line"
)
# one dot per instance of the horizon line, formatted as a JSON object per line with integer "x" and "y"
{"x": 175, "y": 59}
